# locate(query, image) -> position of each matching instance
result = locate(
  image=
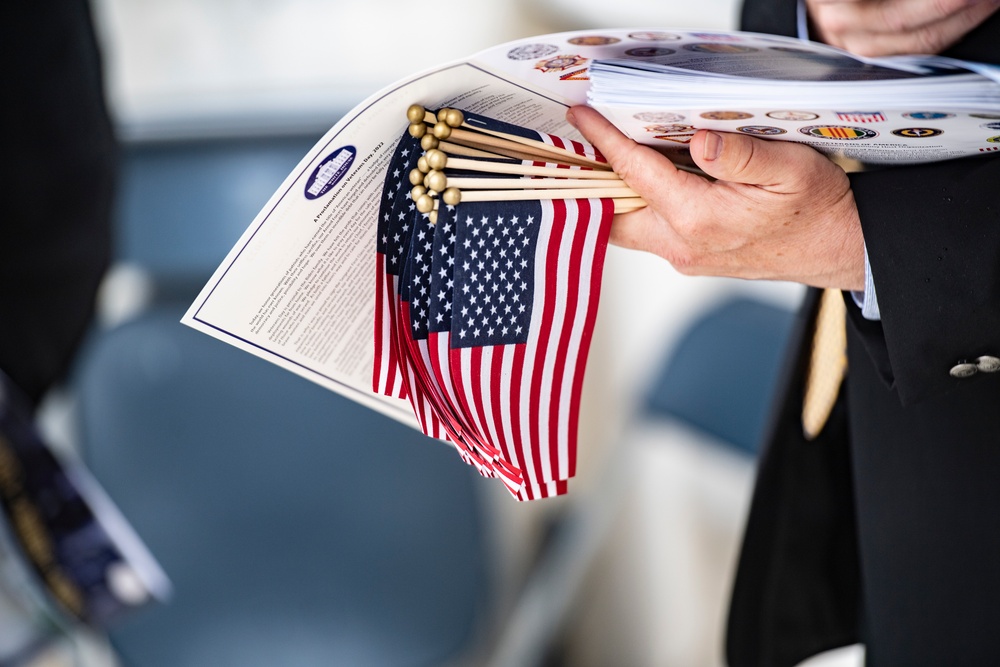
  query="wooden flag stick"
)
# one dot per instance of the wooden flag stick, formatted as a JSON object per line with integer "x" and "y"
{"x": 628, "y": 205}
{"x": 516, "y": 153}
{"x": 471, "y": 183}
{"x": 563, "y": 153}
{"x": 467, "y": 151}
{"x": 524, "y": 195}
{"x": 527, "y": 170}
{"x": 536, "y": 151}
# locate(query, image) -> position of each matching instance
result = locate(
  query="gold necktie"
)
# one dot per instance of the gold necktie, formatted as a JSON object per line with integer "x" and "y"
{"x": 827, "y": 364}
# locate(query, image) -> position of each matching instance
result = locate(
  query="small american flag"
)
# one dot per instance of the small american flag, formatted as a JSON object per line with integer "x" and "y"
{"x": 393, "y": 238}
{"x": 433, "y": 418}
{"x": 526, "y": 288}
{"x": 438, "y": 345}
{"x": 484, "y": 321}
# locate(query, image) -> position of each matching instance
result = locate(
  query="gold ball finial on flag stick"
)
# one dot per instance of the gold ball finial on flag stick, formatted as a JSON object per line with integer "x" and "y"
{"x": 437, "y": 181}
{"x": 415, "y": 114}
{"x": 441, "y": 130}
{"x": 433, "y": 217}
{"x": 425, "y": 203}
{"x": 436, "y": 159}
{"x": 454, "y": 117}
{"x": 565, "y": 175}
{"x": 429, "y": 142}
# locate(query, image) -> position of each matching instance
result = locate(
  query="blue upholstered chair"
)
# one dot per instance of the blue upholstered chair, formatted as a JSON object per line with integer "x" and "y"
{"x": 720, "y": 376}
{"x": 298, "y": 528}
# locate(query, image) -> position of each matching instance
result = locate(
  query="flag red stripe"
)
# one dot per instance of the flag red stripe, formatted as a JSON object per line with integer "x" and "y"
{"x": 606, "y": 213}
{"x": 558, "y": 447}
{"x": 544, "y": 330}
{"x": 377, "y": 376}
{"x": 386, "y": 372}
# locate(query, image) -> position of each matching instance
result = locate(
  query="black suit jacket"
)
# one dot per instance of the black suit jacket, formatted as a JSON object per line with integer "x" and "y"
{"x": 886, "y": 529}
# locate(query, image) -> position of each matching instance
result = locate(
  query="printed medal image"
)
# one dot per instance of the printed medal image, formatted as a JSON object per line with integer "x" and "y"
{"x": 792, "y": 115}
{"x": 594, "y": 40}
{"x": 653, "y": 36}
{"x": 917, "y": 132}
{"x": 928, "y": 115}
{"x": 761, "y": 130}
{"x": 532, "y": 51}
{"x": 726, "y": 115}
{"x": 649, "y": 52}
{"x": 560, "y": 63}
{"x": 840, "y": 132}
{"x": 860, "y": 116}
{"x": 672, "y": 128}
{"x": 658, "y": 117}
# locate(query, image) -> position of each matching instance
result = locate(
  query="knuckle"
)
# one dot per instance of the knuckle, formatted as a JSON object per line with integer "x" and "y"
{"x": 927, "y": 41}
{"x": 743, "y": 161}
{"x": 630, "y": 165}
{"x": 892, "y": 18}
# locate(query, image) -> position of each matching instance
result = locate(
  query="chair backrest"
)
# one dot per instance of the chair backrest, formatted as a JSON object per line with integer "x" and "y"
{"x": 721, "y": 375}
{"x": 298, "y": 528}
{"x": 183, "y": 204}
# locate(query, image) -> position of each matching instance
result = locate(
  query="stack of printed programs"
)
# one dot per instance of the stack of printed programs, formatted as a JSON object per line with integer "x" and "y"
{"x": 305, "y": 285}
{"x": 871, "y": 110}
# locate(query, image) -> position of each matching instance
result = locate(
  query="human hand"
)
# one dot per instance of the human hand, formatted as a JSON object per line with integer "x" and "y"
{"x": 887, "y": 27}
{"x": 777, "y": 211}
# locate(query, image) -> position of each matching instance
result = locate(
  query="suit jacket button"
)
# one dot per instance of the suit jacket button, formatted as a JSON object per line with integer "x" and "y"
{"x": 964, "y": 370}
{"x": 988, "y": 364}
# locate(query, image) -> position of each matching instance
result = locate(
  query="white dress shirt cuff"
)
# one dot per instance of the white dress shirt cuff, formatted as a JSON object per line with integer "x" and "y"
{"x": 867, "y": 300}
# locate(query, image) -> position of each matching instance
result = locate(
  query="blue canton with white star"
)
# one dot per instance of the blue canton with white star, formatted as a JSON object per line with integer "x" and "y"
{"x": 494, "y": 272}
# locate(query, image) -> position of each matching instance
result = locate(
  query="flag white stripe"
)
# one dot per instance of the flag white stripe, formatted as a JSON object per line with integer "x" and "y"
{"x": 584, "y": 304}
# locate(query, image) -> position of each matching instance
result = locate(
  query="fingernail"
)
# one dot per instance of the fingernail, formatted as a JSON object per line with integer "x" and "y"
{"x": 571, "y": 117}
{"x": 713, "y": 146}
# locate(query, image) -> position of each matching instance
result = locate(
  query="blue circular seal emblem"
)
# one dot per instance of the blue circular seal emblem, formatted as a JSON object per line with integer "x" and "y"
{"x": 329, "y": 172}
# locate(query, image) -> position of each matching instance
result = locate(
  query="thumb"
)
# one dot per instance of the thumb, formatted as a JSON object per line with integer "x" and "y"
{"x": 739, "y": 158}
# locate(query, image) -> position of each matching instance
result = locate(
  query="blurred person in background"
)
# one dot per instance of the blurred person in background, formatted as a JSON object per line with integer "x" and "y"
{"x": 59, "y": 166}
{"x": 884, "y": 528}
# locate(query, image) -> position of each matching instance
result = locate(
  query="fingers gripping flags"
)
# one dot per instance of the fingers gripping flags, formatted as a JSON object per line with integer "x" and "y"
{"x": 492, "y": 311}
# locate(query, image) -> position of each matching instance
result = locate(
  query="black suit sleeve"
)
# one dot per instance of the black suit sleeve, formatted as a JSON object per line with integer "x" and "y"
{"x": 933, "y": 237}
